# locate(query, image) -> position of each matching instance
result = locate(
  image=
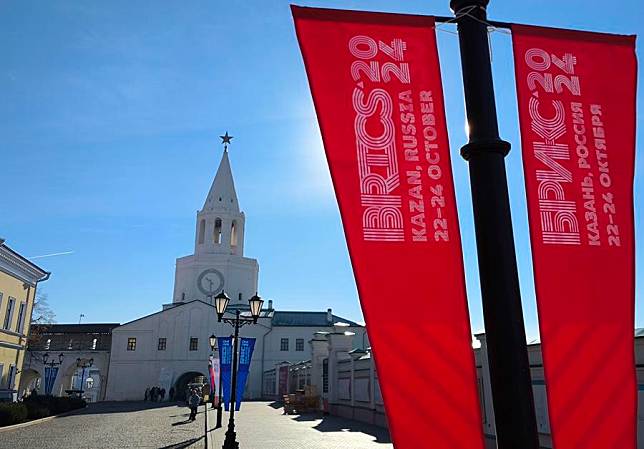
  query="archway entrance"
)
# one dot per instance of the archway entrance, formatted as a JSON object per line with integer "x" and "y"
{"x": 30, "y": 380}
{"x": 189, "y": 380}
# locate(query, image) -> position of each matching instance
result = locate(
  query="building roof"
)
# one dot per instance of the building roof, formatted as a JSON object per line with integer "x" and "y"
{"x": 309, "y": 319}
{"x": 278, "y": 318}
{"x": 88, "y": 328}
{"x": 222, "y": 195}
{"x": 19, "y": 266}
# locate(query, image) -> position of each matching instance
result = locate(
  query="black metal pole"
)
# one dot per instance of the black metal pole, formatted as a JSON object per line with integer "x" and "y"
{"x": 205, "y": 424}
{"x": 505, "y": 333}
{"x": 82, "y": 389}
{"x": 229, "y": 441}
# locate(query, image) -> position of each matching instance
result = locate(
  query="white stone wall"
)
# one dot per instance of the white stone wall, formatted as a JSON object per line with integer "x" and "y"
{"x": 131, "y": 372}
{"x": 240, "y": 276}
{"x": 34, "y": 367}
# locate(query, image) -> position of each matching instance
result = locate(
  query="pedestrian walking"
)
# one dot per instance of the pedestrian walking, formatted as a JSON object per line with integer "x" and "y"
{"x": 193, "y": 401}
{"x": 147, "y": 393}
{"x": 171, "y": 393}
{"x": 162, "y": 393}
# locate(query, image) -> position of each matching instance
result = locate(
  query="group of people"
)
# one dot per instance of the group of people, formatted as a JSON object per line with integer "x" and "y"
{"x": 156, "y": 394}
{"x": 193, "y": 397}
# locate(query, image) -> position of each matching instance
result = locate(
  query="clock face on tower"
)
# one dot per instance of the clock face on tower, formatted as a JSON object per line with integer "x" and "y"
{"x": 210, "y": 282}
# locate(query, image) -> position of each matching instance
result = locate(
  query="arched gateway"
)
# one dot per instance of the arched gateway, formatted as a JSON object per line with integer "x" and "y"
{"x": 188, "y": 380}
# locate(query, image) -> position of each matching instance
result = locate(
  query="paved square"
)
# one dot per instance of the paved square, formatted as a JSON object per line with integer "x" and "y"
{"x": 141, "y": 425}
{"x": 259, "y": 425}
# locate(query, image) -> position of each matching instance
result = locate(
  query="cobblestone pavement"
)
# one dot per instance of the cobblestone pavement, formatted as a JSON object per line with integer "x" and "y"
{"x": 113, "y": 425}
{"x": 259, "y": 425}
{"x": 126, "y": 425}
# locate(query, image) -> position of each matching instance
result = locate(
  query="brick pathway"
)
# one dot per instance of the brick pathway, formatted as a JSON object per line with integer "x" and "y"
{"x": 121, "y": 425}
{"x": 261, "y": 426}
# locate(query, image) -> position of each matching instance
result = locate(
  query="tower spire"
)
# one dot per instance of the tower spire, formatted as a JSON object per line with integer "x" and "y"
{"x": 222, "y": 195}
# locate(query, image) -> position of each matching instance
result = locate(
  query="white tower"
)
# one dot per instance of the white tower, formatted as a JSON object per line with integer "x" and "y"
{"x": 218, "y": 261}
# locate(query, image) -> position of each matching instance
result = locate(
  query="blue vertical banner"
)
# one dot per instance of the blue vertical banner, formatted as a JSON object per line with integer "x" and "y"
{"x": 50, "y": 377}
{"x": 246, "y": 346}
{"x": 225, "y": 361}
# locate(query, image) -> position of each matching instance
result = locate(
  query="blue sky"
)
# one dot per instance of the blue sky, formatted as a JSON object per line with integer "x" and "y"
{"x": 109, "y": 117}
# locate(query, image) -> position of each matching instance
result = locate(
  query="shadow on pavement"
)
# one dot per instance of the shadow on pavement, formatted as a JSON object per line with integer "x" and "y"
{"x": 181, "y": 423}
{"x": 183, "y": 444}
{"x": 122, "y": 407}
{"x": 329, "y": 423}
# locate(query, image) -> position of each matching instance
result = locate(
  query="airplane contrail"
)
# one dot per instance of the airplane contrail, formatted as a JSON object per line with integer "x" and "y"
{"x": 50, "y": 255}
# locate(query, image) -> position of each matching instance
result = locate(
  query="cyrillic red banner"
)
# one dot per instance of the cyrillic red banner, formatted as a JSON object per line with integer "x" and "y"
{"x": 576, "y": 95}
{"x": 377, "y": 91}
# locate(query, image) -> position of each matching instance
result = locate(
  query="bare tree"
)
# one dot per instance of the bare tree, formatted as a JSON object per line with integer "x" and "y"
{"x": 41, "y": 317}
{"x": 42, "y": 312}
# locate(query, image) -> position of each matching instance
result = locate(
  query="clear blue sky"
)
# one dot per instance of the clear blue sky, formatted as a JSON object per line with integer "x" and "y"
{"x": 109, "y": 117}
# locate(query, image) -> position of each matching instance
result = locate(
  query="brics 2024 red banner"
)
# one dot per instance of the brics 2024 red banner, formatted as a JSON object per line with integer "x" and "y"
{"x": 577, "y": 111}
{"x": 377, "y": 91}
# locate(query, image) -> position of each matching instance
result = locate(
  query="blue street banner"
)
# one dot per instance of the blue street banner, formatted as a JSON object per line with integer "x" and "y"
{"x": 50, "y": 377}
{"x": 246, "y": 346}
{"x": 225, "y": 362}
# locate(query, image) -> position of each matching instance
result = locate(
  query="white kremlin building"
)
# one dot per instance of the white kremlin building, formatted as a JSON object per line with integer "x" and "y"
{"x": 170, "y": 348}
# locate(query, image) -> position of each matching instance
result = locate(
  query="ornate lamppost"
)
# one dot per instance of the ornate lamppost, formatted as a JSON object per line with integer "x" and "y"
{"x": 52, "y": 363}
{"x": 221, "y": 303}
{"x": 213, "y": 347}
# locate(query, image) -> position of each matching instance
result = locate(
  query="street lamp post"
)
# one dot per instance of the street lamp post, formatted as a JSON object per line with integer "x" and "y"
{"x": 509, "y": 367}
{"x": 221, "y": 303}
{"x": 52, "y": 363}
{"x": 82, "y": 365}
{"x": 213, "y": 346}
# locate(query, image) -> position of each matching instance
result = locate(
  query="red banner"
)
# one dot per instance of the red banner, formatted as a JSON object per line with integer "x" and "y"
{"x": 377, "y": 91}
{"x": 576, "y": 95}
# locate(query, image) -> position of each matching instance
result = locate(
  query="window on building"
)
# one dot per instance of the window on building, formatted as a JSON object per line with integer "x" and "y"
{"x": 284, "y": 344}
{"x": 9, "y": 313}
{"x": 21, "y": 317}
{"x": 325, "y": 376}
{"x": 233, "y": 234}
{"x": 10, "y": 375}
{"x": 131, "y": 344}
{"x": 94, "y": 342}
{"x": 299, "y": 344}
{"x": 216, "y": 235}
{"x": 194, "y": 343}
{"x": 161, "y": 345}
{"x": 48, "y": 344}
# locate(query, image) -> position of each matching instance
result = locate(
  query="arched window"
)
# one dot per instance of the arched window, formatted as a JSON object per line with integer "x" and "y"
{"x": 202, "y": 229}
{"x": 233, "y": 234}
{"x": 216, "y": 236}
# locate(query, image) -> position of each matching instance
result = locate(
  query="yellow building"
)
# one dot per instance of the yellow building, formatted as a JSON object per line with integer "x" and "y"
{"x": 18, "y": 281}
